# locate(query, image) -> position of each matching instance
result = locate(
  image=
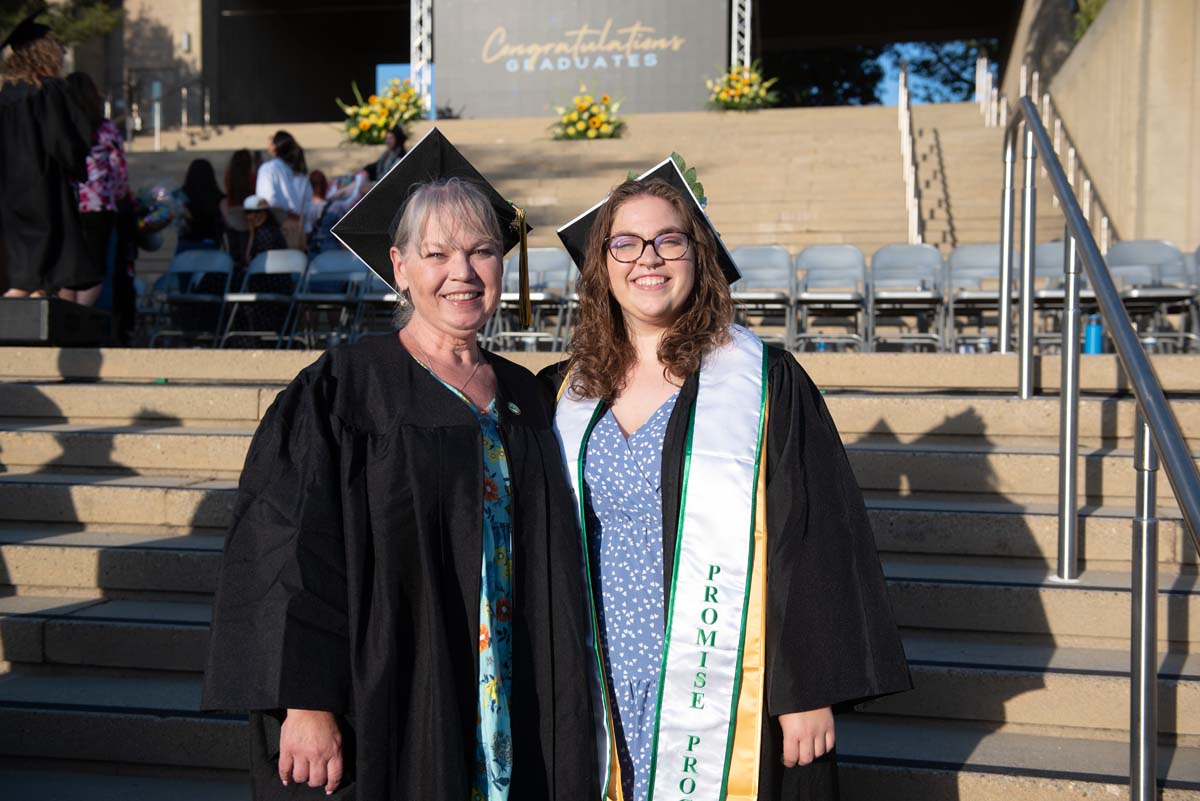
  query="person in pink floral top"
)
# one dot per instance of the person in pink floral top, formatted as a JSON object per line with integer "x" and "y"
{"x": 106, "y": 186}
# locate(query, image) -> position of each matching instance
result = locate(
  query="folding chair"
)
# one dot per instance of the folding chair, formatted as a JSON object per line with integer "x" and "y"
{"x": 832, "y": 292}
{"x": 265, "y": 297}
{"x": 327, "y": 297}
{"x": 194, "y": 289}
{"x": 1152, "y": 276}
{"x": 549, "y": 271}
{"x": 767, "y": 290}
{"x": 906, "y": 281}
{"x": 973, "y": 292}
{"x": 375, "y": 311}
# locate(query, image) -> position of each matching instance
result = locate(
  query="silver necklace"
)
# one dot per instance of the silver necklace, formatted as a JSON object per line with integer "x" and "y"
{"x": 463, "y": 388}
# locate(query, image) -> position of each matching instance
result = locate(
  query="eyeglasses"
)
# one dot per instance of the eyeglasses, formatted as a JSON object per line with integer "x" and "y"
{"x": 627, "y": 248}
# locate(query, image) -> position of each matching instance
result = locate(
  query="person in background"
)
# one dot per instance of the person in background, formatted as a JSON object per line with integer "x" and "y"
{"x": 394, "y": 150}
{"x": 46, "y": 138}
{"x": 106, "y": 186}
{"x": 312, "y": 216}
{"x": 264, "y": 223}
{"x": 202, "y": 215}
{"x": 240, "y": 176}
{"x": 283, "y": 182}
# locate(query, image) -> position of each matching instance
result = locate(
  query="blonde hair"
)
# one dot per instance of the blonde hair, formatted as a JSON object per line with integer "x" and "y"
{"x": 41, "y": 58}
{"x": 454, "y": 199}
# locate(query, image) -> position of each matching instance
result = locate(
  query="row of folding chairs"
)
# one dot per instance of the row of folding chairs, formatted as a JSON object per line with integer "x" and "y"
{"x": 825, "y": 297}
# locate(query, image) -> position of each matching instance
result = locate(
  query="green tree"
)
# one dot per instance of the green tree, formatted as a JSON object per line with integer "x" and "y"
{"x": 1086, "y": 15}
{"x": 943, "y": 72}
{"x": 73, "y": 22}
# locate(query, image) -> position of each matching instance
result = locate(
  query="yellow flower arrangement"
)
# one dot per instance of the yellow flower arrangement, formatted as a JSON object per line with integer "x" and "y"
{"x": 369, "y": 120}
{"x": 742, "y": 89}
{"x": 587, "y": 117}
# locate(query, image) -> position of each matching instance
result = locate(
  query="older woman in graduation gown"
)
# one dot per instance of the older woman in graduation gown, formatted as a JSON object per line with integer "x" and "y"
{"x": 738, "y": 595}
{"x": 401, "y": 587}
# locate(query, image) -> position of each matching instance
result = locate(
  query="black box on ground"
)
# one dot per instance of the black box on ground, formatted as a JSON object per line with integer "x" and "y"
{"x": 53, "y": 322}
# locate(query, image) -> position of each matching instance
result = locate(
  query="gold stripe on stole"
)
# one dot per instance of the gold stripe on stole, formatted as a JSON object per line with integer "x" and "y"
{"x": 747, "y": 739}
{"x": 615, "y": 793}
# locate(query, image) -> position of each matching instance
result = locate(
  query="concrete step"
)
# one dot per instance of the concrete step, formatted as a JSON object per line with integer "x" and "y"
{"x": 940, "y": 372}
{"x": 903, "y": 759}
{"x": 115, "y": 716}
{"x": 1014, "y": 683}
{"x": 89, "y": 564}
{"x": 73, "y": 780}
{"x": 146, "y": 635}
{"x": 882, "y": 461}
{"x": 903, "y": 415}
{"x": 1013, "y": 528}
{"x": 178, "y": 501}
{"x": 993, "y": 596}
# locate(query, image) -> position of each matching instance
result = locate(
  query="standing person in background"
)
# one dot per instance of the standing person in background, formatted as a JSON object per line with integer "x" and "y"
{"x": 393, "y": 142}
{"x": 202, "y": 215}
{"x": 283, "y": 183}
{"x": 106, "y": 186}
{"x": 46, "y": 139}
{"x": 312, "y": 215}
{"x": 240, "y": 176}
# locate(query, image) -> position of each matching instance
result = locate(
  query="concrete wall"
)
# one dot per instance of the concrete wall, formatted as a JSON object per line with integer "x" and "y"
{"x": 1044, "y": 38}
{"x": 1129, "y": 95}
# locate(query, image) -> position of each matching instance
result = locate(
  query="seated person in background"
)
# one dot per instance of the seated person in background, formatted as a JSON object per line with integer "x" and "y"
{"x": 393, "y": 141}
{"x": 239, "y": 184}
{"x": 202, "y": 217}
{"x": 263, "y": 222}
{"x": 345, "y": 192}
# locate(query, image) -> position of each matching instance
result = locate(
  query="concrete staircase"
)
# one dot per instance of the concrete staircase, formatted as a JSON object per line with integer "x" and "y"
{"x": 960, "y": 168}
{"x": 792, "y": 177}
{"x": 118, "y": 474}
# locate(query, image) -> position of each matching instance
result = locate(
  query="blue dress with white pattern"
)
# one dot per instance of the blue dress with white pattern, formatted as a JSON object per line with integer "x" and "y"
{"x": 623, "y": 487}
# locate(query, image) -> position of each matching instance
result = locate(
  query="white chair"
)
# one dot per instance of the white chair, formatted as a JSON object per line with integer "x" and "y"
{"x": 767, "y": 290}
{"x": 906, "y": 281}
{"x": 832, "y": 292}
{"x": 265, "y": 297}
{"x": 193, "y": 295}
{"x": 327, "y": 297}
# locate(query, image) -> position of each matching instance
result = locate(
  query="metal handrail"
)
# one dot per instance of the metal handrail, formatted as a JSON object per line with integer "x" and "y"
{"x": 912, "y": 191}
{"x": 1158, "y": 434}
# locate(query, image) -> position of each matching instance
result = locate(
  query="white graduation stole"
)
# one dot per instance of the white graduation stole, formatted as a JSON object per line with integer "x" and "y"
{"x": 708, "y": 725}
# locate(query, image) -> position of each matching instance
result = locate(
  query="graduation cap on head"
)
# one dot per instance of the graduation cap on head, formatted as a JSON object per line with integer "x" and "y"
{"x": 369, "y": 228}
{"x": 574, "y": 235}
{"x": 27, "y": 31}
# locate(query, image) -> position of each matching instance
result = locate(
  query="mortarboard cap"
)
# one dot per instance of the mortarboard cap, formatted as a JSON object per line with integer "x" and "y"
{"x": 574, "y": 235}
{"x": 27, "y": 30}
{"x": 368, "y": 228}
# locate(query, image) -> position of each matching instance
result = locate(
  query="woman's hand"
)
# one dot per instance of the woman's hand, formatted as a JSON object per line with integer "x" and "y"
{"x": 806, "y": 735}
{"x": 310, "y": 749}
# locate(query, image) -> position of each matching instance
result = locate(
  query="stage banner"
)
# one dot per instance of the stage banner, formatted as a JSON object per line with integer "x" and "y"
{"x": 522, "y": 57}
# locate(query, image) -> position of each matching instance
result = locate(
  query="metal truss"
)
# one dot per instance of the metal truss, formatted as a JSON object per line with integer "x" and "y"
{"x": 421, "y": 47}
{"x": 739, "y": 33}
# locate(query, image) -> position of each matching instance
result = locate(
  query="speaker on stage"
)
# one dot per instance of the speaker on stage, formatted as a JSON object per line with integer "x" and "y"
{"x": 53, "y": 322}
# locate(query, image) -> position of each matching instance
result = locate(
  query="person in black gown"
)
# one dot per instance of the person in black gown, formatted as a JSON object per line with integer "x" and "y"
{"x": 655, "y": 319}
{"x": 351, "y": 602}
{"x": 45, "y": 138}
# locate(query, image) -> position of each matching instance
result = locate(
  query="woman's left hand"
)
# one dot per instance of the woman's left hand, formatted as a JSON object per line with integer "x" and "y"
{"x": 806, "y": 735}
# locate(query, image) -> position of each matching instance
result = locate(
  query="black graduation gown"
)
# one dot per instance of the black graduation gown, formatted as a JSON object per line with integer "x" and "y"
{"x": 831, "y": 639}
{"x": 351, "y": 578}
{"x": 46, "y": 142}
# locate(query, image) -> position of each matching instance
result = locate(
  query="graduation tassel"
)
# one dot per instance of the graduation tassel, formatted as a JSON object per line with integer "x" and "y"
{"x": 525, "y": 306}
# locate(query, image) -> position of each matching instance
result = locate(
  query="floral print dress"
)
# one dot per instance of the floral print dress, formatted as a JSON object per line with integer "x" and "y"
{"x": 493, "y": 732}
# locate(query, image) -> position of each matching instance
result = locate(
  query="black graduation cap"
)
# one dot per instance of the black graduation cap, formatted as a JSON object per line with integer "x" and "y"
{"x": 27, "y": 30}
{"x": 574, "y": 235}
{"x": 368, "y": 228}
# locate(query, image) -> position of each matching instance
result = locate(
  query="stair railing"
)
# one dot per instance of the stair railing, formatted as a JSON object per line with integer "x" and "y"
{"x": 1157, "y": 434}
{"x": 912, "y": 191}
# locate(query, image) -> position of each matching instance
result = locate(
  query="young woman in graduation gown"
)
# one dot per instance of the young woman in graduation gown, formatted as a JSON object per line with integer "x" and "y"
{"x": 738, "y": 595}
{"x": 401, "y": 587}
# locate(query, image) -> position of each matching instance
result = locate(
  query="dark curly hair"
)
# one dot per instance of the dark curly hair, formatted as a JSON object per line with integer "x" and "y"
{"x": 602, "y": 352}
